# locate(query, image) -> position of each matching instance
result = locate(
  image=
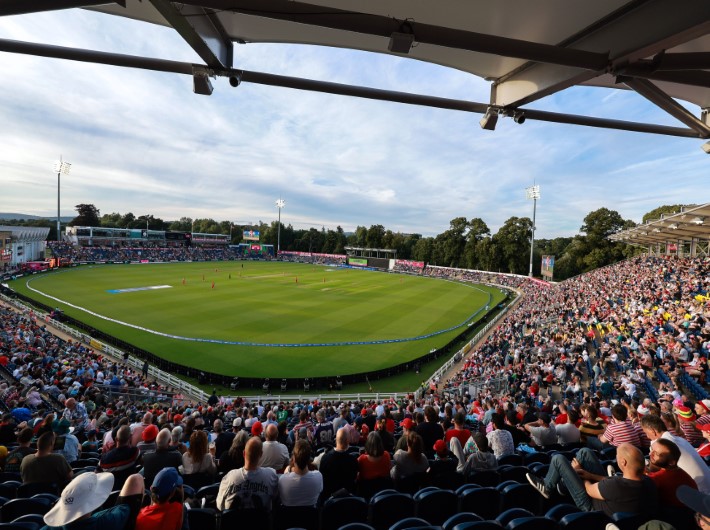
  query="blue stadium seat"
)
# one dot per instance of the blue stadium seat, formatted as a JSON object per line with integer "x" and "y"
{"x": 410, "y": 522}
{"x": 485, "y": 502}
{"x": 337, "y": 512}
{"x": 584, "y": 520}
{"x": 436, "y": 506}
{"x": 385, "y": 510}
{"x": 461, "y": 517}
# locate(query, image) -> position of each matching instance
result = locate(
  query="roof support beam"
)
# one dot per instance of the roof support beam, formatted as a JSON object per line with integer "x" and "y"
{"x": 656, "y": 96}
{"x": 202, "y": 30}
{"x": 645, "y": 33}
{"x": 382, "y": 26}
{"x": 646, "y": 71}
{"x": 683, "y": 61}
{"x": 162, "y": 65}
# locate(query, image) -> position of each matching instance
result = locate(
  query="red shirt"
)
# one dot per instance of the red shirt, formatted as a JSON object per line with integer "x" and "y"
{"x": 463, "y": 435}
{"x": 164, "y": 516}
{"x": 370, "y": 469}
{"x": 667, "y": 482}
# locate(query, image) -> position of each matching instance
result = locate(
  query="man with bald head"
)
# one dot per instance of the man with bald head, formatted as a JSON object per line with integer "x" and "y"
{"x": 275, "y": 454}
{"x": 339, "y": 466}
{"x": 138, "y": 428}
{"x": 251, "y": 486}
{"x": 591, "y": 489}
{"x": 77, "y": 416}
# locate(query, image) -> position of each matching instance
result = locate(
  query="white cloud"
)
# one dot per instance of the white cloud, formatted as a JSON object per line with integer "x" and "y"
{"x": 141, "y": 141}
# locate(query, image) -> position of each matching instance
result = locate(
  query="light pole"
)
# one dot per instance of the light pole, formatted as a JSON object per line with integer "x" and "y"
{"x": 279, "y": 204}
{"x": 533, "y": 192}
{"x": 60, "y": 167}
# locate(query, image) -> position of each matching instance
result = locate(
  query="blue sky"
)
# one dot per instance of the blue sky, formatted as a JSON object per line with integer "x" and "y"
{"x": 141, "y": 141}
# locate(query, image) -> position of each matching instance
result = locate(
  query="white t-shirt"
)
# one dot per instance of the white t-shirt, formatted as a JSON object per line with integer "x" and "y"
{"x": 300, "y": 490}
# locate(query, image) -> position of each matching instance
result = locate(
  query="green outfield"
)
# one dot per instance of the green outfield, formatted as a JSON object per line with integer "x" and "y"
{"x": 266, "y": 319}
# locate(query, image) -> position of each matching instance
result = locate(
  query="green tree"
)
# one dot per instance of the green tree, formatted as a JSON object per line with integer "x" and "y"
{"x": 375, "y": 236}
{"x": 512, "y": 243}
{"x": 88, "y": 216}
{"x": 111, "y": 220}
{"x": 666, "y": 210}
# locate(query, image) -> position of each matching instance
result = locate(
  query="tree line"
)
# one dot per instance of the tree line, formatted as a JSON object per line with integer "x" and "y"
{"x": 467, "y": 243}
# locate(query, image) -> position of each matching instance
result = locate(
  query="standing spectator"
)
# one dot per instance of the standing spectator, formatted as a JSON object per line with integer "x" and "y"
{"x": 299, "y": 485}
{"x": 250, "y": 486}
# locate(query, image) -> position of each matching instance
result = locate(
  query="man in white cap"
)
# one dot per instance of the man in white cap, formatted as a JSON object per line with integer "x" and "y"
{"x": 88, "y": 492}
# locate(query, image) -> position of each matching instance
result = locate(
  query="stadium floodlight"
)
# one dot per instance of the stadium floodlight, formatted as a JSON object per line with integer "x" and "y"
{"x": 279, "y": 204}
{"x": 60, "y": 167}
{"x": 533, "y": 192}
{"x": 201, "y": 83}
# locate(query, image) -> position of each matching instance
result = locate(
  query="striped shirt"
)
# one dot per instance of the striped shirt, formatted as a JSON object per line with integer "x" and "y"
{"x": 622, "y": 432}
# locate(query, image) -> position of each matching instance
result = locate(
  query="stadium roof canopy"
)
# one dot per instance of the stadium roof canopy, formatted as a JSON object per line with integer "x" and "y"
{"x": 527, "y": 50}
{"x": 690, "y": 226}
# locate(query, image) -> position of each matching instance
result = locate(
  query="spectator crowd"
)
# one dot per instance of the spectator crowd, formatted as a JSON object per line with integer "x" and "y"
{"x": 603, "y": 379}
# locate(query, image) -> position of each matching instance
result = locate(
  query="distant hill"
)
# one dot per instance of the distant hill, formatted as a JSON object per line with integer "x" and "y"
{"x": 10, "y": 216}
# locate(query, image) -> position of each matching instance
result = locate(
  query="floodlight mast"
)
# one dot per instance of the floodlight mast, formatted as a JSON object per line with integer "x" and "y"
{"x": 533, "y": 192}
{"x": 60, "y": 167}
{"x": 279, "y": 204}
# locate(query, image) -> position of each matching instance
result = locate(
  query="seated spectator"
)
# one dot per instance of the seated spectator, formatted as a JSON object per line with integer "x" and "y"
{"x": 481, "y": 456}
{"x": 251, "y": 486}
{"x": 412, "y": 461}
{"x": 568, "y": 433}
{"x": 197, "y": 458}
{"x": 233, "y": 458}
{"x": 619, "y": 431}
{"x": 88, "y": 492}
{"x": 375, "y": 461}
{"x": 407, "y": 425}
{"x": 15, "y": 457}
{"x": 163, "y": 457}
{"x": 592, "y": 425}
{"x": 542, "y": 432}
{"x": 223, "y": 439}
{"x": 91, "y": 445}
{"x": 499, "y": 440}
{"x": 166, "y": 509}
{"x": 459, "y": 430}
{"x": 590, "y": 487}
{"x": 45, "y": 466}
{"x": 690, "y": 461}
{"x": 385, "y": 435}
{"x": 122, "y": 457}
{"x": 147, "y": 443}
{"x": 275, "y": 454}
{"x": 664, "y": 471}
{"x": 339, "y": 467}
{"x": 300, "y": 485}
